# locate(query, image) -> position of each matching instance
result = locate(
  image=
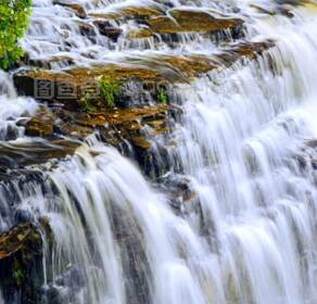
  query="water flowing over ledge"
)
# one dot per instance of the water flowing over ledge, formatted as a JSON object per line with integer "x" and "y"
{"x": 198, "y": 187}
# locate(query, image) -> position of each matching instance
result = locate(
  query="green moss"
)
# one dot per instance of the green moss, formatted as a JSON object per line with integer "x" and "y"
{"x": 14, "y": 20}
{"x": 109, "y": 90}
{"x": 162, "y": 96}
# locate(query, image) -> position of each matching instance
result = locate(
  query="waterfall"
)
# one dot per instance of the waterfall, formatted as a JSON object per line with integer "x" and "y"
{"x": 13, "y": 108}
{"x": 243, "y": 147}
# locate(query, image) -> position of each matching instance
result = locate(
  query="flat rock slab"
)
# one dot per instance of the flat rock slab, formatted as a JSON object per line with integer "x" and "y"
{"x": 14, "y": 155}
{"x": 160, "y": 68}
{"x": 192, "y": 20}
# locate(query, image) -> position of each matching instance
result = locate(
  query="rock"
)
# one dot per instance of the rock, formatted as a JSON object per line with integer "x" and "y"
{"x": 306, "y": 156}
{"x": 69, "y": 85}
{"x": 23, "y": 216}
{"x": 50, "y": 62}
{"x": 21, "y": 154}
{"x": 21, "y": 274}
{"x": 188, "y": 20}
{"x": 42, "y": 124}
{"x": 87, "y": 30}
{"x": 75, "y": 7}
{"x": 107, "y": 30}
{"x": 140, "y": 33}
{"x": 65, "y": 288}
{"x": 116, "y": 125}
{"x": 18, "y": 239}
{"x": 274, "y": 10}
{"x": 183, "y": 197}
{"x": 120, "y": 11}
{"x": 39, "y": 127}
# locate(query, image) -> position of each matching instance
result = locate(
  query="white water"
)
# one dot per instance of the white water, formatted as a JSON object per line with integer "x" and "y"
{"x": 252, "y": 236}
{"x": 12, "y": 109}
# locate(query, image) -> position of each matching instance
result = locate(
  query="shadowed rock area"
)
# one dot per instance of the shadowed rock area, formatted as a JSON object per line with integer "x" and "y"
{"x": 21, "y": 266}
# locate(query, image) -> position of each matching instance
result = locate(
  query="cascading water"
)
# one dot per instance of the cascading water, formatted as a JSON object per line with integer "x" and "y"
{"x": 244, "y": 143}
{"x": 12, "y": 109}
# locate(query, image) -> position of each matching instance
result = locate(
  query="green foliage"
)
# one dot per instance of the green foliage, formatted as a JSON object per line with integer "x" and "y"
{"x": 87, "y": 103}
{"x": 14, "y": 20}
{"x": 162, "y": 96}
{"x": 109, "y": 90}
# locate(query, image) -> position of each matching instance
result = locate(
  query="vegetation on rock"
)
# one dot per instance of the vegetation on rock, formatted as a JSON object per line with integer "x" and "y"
{"x": 14, "y": 20}
{"x": 162, "y": 96}
{"x": 109, "y": 90}
{"x": 87, "y": 103}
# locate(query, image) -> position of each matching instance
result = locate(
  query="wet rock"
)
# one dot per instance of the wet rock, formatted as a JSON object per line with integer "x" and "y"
{"x": 73, "y": 278}
{"x": 140, "y": 33}
{"x": 183, "y": 197}
{"x": 49, "y": 62}
{"x": 21, "y": 154}
{"x": 53, "y": 295}
{"x": 107, "y": 30}
{"x": 21, "y": 274}
{"x": 136, "y": 267}
{"x": 122, "y": 11}
{"x": 75, "y": 7}
{"x": 41, "y": 125}
{"x": 306, "y": 157}
{"x": 263, "y": 9}
{"x": 69, "y": 85}
{"x": 18, "y": 239}
{"x": 66, "y": 288}
{"x": 87, "y": 30}
{"x": 312, "y": 143}
{"x": 116, "y": 125}
{"x": 274, "y": 10}
{"x": 187, "y": 20}
{"x": 23, "y": 216}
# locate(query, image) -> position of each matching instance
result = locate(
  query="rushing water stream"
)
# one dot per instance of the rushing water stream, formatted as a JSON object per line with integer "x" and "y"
{"x": 253, "y": 238}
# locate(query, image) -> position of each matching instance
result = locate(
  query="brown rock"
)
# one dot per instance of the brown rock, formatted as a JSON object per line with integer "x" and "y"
{"x": 75, "y": 7}
{"x": 140, "y": 33}
{"x": 128, "y": 12}
{"x": 42, "y": 124}
{"x": 68, "y": 86}
{"x": 116, "y": 125}
{"x": 187, "y": 20}
{"x": 108, "y": 30}
{"x": 22, "y": 237}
